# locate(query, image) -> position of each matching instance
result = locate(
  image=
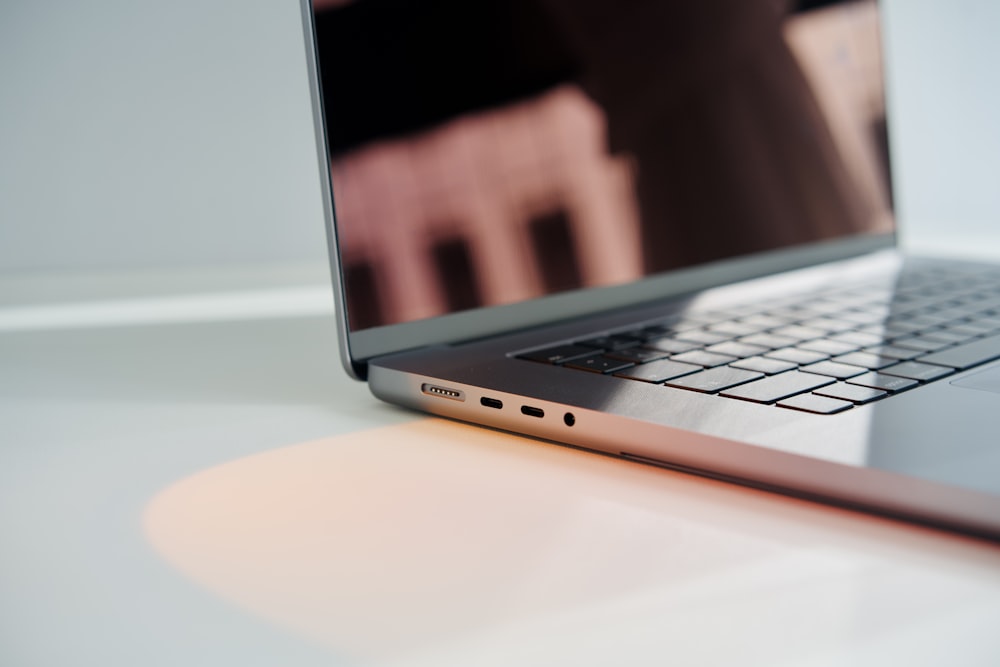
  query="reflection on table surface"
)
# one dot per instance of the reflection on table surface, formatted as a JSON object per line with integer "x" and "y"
{"x": 434, "y": 542}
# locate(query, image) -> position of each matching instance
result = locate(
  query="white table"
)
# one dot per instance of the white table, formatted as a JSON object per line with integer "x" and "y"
{"x": 193, "y": 480}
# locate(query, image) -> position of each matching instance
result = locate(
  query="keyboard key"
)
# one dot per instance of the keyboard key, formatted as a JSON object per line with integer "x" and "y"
{"x": 791, "y": 313}
{"x": 825, "y": 305}
{"x": 888, "y": 383}
{"x": 714, "y": 379}
{"x": 920, "y": 343}
{"x": 820, "y": 405}
{"x": 613, "y": 342}
{"x": 671, "y": 345}
{"x": 764, "y": 365}
{"x": 701, "y": 336}
{"x": 799, "y": 332}
{"x": 834, "y": 370}
{"x": 918, "y": 371}
{"x": 558, "y": 354}
{"x": 777, "y": 387}
{"x": 770, "y": 341}
{"x": 872, "y": 362}
{"x": 797, "y": 356}
{"x": 893, "y": 352}
{"x": 702, "y": 358}
{"x": 655, "y": 331}
{"x": 598, "y": 364}
{"x": 932, "y": 321}
{"x": 896, "y": 328}
{"x": 966, "y": 355}
{"x": 765, "y": 322}
{"x": 701, "y": 319}
{"x": 830, "y": 347}
{"x": 946, "y": 316}
{"x": 692, "y": 321}
{"x": 658, "y": 371}
{"x": 829, "y": 324}
{"x": 857, "y": 338}
{"x": 734, "y": 349}
{"x": 638, "y": 355}
{"x": 864, "y": 316}
{"x": 853, "y": 393}
{"x": 734, "y": 329}
{"x": 972, "y": 328}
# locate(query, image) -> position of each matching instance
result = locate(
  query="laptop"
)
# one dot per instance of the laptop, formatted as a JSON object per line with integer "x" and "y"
{"x": 662, "y": 231}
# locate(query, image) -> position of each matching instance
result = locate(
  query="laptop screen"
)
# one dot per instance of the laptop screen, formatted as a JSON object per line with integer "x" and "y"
{"x": 491, "y": 152}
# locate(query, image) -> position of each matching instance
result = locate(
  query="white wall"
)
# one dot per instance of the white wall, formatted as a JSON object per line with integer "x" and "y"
{"x": 945, "y": 96}
{"x": 178, "y": 133}
{"x": 155, "y": 133}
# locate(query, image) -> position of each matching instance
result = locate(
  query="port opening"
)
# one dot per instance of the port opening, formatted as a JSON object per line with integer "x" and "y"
{"x": 531, "y": 411}
{"x": 491, "y": 403}
{"x": 569, "y": 419}
{"x": 443, "y": 392}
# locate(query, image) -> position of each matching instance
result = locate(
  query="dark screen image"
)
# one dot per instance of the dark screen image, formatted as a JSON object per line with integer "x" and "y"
{"x": 493, "y": 151}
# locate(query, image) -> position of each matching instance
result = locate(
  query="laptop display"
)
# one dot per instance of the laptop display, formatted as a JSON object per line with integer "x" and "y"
{"x": 493, "y": 152}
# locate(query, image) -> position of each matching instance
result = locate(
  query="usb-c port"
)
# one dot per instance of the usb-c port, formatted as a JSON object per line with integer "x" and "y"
{"x": 532, "y": 412}
{"x": 491, "y": 403}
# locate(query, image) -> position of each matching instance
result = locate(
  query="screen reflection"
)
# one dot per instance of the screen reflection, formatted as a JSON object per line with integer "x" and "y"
{"x": 493, "y": 151}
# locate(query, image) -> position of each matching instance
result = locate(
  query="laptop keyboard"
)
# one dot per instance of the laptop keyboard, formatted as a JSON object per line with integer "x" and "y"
{"x": 823, "y": 352}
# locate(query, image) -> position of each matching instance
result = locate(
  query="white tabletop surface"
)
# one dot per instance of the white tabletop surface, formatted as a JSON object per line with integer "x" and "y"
{"x": 191, "y": 479}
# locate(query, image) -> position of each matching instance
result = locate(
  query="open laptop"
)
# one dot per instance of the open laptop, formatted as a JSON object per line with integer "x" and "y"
{"x": 658, "y": 230}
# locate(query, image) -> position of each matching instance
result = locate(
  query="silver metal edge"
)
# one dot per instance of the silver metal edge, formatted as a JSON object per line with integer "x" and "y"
{"x": 354, "y": 368}
{"x": 759, "y": 465}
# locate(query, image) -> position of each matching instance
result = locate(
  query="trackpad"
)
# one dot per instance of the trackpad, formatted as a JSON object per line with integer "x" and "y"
{"x": 988, "y": 380}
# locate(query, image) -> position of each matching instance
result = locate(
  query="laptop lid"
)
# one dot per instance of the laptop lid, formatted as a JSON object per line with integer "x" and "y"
{"x": 509, "y": 163}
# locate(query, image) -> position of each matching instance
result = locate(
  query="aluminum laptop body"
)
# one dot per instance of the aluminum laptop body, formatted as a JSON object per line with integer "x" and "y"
{"x": 657, "y": 230}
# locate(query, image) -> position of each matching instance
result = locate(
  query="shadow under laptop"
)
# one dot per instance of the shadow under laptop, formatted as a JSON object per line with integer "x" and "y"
{"x": 434, "y": 542}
